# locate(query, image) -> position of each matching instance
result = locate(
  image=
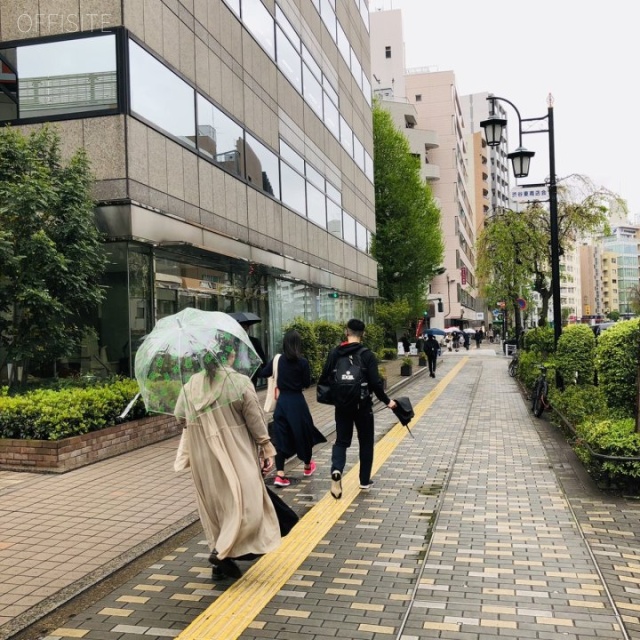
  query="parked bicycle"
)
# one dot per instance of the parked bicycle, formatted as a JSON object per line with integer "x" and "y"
{"x": 513, "y": 365}
{"x": 540, "y": 393}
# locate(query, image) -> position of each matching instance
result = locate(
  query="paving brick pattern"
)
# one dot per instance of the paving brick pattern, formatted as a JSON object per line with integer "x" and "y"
{"x": 483, "y": 526}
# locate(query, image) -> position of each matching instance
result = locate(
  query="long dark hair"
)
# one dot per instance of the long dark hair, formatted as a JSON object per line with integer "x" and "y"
{"x": 292, "y": 345}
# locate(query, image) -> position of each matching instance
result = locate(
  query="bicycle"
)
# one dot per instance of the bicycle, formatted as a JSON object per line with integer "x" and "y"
{"x": 513, "y": 365}
{"x": 540, "y": 392}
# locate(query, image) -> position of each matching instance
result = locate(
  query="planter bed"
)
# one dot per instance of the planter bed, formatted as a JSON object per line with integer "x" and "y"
{"x": 59, "y": 456}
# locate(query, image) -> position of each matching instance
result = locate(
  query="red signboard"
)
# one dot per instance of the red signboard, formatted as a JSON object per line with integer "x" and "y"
{"x": 463, "y": 275}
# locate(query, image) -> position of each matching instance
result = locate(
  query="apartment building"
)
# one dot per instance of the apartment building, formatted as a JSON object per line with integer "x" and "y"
{"x": 231, "y": 141}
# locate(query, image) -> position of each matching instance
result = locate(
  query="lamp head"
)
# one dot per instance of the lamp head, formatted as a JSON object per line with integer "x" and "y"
{"x": 493, "y": 127}
{"x": 521, "y": 159}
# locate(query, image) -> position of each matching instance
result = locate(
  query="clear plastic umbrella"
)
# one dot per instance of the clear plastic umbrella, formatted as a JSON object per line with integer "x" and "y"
{"x": 194, "y": 361}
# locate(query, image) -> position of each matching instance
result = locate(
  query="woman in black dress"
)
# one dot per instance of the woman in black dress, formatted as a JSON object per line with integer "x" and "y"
{"x": 293, "y": 430}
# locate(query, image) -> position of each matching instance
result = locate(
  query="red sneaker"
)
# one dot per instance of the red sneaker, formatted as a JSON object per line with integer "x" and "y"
{"x": 310, "y": 471}
{"x": 281, "y": 481}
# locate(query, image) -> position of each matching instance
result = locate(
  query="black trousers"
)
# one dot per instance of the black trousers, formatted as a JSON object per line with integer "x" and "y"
{"x": 360, "y": 416}
{"x": 432, "y": 360}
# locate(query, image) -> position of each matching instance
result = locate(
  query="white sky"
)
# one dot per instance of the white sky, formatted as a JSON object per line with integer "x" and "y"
{"x": 585, "y": 53}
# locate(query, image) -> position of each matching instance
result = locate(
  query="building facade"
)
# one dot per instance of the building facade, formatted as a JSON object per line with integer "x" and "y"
{"x": 232, "y": 147}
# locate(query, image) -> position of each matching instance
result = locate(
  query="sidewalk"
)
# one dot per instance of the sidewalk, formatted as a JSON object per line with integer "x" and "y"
{"x": 484, "y": 525}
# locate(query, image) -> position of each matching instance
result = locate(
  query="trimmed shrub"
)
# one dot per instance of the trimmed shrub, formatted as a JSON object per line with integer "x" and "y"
{"x": 575, "y": 355}
{"x": 617, "y": 365}
{"x": 611, "y": 438}
{"x": 579, "y": 403}
{"x": 528, "y": 369}
{"x": 52, "y": 415}
{"x": 540, "y": 340}
{"x": 374, "y": 337}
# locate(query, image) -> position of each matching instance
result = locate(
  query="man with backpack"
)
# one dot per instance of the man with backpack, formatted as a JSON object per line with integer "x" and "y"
{"x": 351, "y": 372}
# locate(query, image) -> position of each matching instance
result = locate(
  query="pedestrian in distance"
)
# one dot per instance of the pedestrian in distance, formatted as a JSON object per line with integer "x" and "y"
{"x": 406, "y": 345}
{"x": 351, "y": 371}
{"x": 431, "y": 349}
{"x": 478, "y": 338}
{"x": 294, "y": 432}
{"x": 226, "y": 445}
{"x": 257, "y": 345}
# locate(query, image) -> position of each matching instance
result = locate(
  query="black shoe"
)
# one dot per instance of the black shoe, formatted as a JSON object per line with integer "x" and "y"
{"x": 225, "y": 566}
{"x": 336, "y": 484}
{"x": 217, "y": 574}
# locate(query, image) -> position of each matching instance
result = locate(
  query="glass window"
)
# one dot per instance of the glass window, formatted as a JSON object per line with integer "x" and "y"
{"x": 309, "y": 60}
{"x": 312, "y": 91}
{"x": 260, "y": 24}
{"x": 289, "y": 61}
{"x": 316, "y": 206}
{"x": 368, "y": 166}
{"x": 291, "y": 156}
{"x": 364, "y": 12}
{"x": 293, "y": 189}
{"x": 358, "y": 152}
{"x": 356, "y": 68}
{"x": 262, "y": 166}
{"x": 334, "y": 193}
{"x": 368, "y": 241}
{"x": 331, "y": 117}
{"x": 361, "y": 237}
{"x": 346, "y": 136}
{"x": 57, "y": 78}
{"x": 349, "y": 228}
{"x": 316, "y": 4}
{"x": 159, "y": 96}
{"x": 220, "y": 138}
{"x": 366, "y": 89}
{"x": 281, "y": 19}
{"x": 315, "y": 177}
{"x": 331, "y": 92}
{"x": 343, "y": 45}
{"x": 334, "y": 219}
{"x": 328, "y": 16}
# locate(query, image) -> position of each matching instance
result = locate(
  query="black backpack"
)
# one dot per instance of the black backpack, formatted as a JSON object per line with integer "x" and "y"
{"x": 348, "y": 380}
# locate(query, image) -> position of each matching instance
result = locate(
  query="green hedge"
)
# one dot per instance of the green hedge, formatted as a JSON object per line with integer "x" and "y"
{"x": 617, "y": 365}
{"x": 611, "y": 438}
{"x": 51, "y": 415}
{"x": 540, "y": 340}
{"x": 579, "y": 403}
{"x": 575, "y": 355}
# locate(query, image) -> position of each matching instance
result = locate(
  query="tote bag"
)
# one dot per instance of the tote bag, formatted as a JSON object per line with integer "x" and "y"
{"x": 272, "y": 387}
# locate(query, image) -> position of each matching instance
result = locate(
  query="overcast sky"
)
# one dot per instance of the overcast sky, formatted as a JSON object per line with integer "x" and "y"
{"x": 585, "y": 53}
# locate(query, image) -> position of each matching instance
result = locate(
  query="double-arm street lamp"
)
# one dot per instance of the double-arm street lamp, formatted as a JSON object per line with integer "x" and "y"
{"x": 521, "y": 159}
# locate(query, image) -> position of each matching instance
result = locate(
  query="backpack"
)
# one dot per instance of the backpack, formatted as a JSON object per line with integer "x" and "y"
{"x": 348, "y": 380}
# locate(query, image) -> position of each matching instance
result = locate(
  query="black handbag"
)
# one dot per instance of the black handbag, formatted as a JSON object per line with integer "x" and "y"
{"x": 287, "y": 517}
{"x": 323, "y": 394}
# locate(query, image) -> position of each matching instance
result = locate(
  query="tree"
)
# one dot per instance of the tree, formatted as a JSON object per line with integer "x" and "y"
{"x": 580, "y": 211}
{"x": 51, "y": 260}
{"x": 408, "y": 243}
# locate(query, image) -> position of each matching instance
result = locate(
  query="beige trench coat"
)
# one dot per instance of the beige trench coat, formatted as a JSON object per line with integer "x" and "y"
{"x": 223, "y": 447}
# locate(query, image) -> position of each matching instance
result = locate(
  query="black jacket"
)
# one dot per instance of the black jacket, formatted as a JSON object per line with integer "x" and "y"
{"x": 431, "y": 347}
{"x": 369, "y": 363}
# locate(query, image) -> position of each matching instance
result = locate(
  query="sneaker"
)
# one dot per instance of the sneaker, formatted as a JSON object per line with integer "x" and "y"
{"x": 310, "y": 471}
{"x": 281, "y": 481}
{"x": 336, "y": 484}
{"x": 366, "y": 486}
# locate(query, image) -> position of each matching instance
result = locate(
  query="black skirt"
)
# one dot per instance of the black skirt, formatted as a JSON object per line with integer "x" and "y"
{"x": 294, "y": 432}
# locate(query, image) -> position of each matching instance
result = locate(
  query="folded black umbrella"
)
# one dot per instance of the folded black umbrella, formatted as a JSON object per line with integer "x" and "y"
{"x": 404, "y": 411}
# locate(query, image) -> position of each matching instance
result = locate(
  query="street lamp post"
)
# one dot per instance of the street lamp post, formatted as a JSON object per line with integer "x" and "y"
{"x": 521, "y": 159}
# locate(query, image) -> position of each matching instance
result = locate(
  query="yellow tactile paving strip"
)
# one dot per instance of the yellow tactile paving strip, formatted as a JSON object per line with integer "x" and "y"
{"x": 237, "y": 607}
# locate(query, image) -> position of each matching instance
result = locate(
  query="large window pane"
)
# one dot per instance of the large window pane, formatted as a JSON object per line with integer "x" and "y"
{"x": 260, "y": 24}
{"x": 358, "y": 152}
{"x": 220, "y": 138}
{"x": 344, "y": 46}
{"x": 361, "y": 237}
{"x": 309, "y": 60}
{"x": 293, "y": 189}
{"x": 289, "y": 61}
{"x": 366, "y": 89}
{"x": 56, "y": 78}
{"x": 346, "y": 136}
{"x": 234, "y": 5}
{"x": 349, "y": 227}
{"x": 334, "y": 193}
{"x": 328, "y": 17}
{"x": 334, "y": 219}
{"x": 286, "y": 26}
{"x": 262, "y": 167}
{"x": 331, "y": 117}
{"x": 315, "y": 177}
{"x": 356, "y": 68}
{"x": 159, "y": 96}
{"x": 368, "y": 166}
{"x": 291, "y": 156}
{"x": 316, "y": 206}
{"x": 312, "y": 91}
